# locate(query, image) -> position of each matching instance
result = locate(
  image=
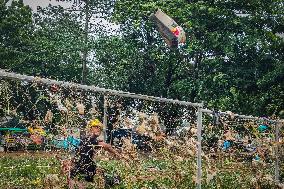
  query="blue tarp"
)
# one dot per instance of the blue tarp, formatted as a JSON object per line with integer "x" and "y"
{"x": 226, "y": 145}
{"x": 262, "y": 128}
{"x": 69, "y": 142}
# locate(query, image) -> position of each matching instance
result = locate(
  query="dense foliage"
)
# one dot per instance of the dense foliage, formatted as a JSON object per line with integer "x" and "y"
{"x": 47, "y": 44}
{"x": 232, "y": 60}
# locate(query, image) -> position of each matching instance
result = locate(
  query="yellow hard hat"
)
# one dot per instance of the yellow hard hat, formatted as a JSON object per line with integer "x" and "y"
{"x": 95, "y": 123}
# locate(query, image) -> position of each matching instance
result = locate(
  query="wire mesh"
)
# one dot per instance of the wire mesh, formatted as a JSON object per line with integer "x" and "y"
{"x": 43, "y": 122}
{"x": 238, "y": 152}
{"x": 157, "y": 140}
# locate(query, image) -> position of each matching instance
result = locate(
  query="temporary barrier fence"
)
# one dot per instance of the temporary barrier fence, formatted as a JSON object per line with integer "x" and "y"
{"x": 200, "y": 111}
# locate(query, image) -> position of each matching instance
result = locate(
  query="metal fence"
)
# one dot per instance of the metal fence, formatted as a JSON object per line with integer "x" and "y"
{"x": 100, "y": 100}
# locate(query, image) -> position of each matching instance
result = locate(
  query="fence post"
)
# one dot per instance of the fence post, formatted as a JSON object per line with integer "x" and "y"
{"x": 105, "y": 117}
{"x": 276, "y": 151}
{"x": 199, "y": 150}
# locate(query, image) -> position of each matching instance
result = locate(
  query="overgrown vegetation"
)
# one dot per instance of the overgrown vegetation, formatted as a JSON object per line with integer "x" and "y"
{"x": 164, "y": 169}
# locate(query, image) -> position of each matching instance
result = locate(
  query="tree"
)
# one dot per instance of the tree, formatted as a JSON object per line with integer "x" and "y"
{"x": 48, "y": 43}
{"x": 232, "y": 50}
{"x": 16, "y": 28}
{"x": 57, "y": 50}
{"x": 92, "y": 11}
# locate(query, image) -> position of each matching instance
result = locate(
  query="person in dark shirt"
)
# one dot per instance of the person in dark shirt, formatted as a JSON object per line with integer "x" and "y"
{"x": 84, "y": 168}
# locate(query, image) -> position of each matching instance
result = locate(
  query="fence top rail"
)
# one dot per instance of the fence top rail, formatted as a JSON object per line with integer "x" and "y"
{"x": 15, "y": 76}
{"x": 243, "y": 116}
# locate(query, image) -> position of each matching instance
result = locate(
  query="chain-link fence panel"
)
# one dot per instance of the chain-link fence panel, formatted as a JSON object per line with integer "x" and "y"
{"x": 49, "y": 131}
{"x": 59, "y": 134}
{"x": 238, "y": 152}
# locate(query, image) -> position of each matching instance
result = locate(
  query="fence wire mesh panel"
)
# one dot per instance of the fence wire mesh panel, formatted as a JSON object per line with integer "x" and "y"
{"x": 43, "y": 127}
{"x": 238, "y": 152}
{"x": 279, "y": 152}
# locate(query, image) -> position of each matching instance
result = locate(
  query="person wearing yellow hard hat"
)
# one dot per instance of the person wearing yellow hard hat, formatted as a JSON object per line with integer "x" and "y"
{"x": 84, "y": 168}
{"x": 95, "y": 127}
